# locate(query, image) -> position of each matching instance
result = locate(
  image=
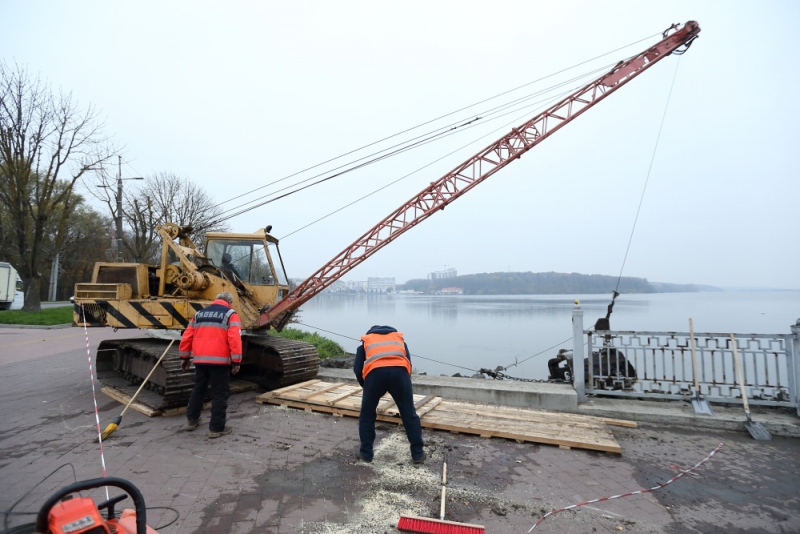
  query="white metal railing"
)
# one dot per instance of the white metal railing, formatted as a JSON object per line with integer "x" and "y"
{"x": 663, "y": 365}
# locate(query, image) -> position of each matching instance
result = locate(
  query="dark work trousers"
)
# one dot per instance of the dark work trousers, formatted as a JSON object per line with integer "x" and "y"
{"x": 397, "y": 382}
{"x": 219, "y": 378}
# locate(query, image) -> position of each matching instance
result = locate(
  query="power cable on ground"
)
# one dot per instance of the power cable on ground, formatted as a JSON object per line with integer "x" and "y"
{"x": 10, "y": 512}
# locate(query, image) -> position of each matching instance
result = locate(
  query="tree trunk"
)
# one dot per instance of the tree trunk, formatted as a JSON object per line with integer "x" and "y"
{"x": 33, "y": 294}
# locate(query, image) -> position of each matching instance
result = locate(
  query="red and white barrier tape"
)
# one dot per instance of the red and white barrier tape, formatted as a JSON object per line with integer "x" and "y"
{"x": 639, "y": 492}
{"x": 94, "y": 397}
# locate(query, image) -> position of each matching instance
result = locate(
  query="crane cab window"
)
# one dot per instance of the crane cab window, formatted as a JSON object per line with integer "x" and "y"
{"x": 246, "y": 259}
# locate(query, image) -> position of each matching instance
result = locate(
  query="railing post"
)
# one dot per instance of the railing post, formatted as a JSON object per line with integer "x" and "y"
{"x": 578, "y": 379}
{"x": 795, "y": 363}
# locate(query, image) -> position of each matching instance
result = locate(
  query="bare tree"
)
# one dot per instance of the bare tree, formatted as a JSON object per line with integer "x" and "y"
{"x": 163, "y": 197}
{"x": 47, "y": 143}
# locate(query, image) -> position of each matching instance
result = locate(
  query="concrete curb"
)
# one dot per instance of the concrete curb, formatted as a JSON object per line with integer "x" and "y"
{"x": 37, "y": 326}
{"x": 537, "y": 395}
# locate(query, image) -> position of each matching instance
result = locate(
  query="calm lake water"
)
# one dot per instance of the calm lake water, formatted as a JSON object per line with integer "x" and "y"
{"x": 486, "y": 331}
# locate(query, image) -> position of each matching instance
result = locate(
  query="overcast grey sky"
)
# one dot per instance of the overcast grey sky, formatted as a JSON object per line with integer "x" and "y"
{"x": 238, "y": 94}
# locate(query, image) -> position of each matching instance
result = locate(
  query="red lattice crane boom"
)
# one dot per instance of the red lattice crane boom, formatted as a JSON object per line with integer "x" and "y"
{"x": 478, "y": 168}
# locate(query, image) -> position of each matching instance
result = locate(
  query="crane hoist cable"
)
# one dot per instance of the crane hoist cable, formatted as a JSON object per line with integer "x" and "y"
{"x": 446, "y": 115}
{"x": 462, "y": 147}
{"x": 603, "y": 323}
{"x": 447, "y": 134}
{"x": 437, "y": 136}
{"x": 412, "y": 143}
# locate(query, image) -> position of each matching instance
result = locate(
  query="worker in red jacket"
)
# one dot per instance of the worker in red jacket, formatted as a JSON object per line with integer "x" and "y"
{"x": 214, "y": 340}
{"x": 383, "y": 364}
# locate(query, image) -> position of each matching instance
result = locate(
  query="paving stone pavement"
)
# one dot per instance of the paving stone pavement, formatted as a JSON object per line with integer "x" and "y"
{"x": 290, "y": 471}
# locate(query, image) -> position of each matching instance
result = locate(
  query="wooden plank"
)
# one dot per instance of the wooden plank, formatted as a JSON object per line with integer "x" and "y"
{"x": 621, "y": 422}
{"x": 607, "y": 446}
{"x": 276, "y": 392}
{"x": 559, "y": 429}
{"x": 169, "y": 412}
{"x": 321, "y": 391}
{"x": 551, "y": 432}
{"x": 429, "y": 407}
{"x": 386, "y": 407}
{"x": 342, "y": 396}
{"x": 423, "y": 402}
{"x": 124, "y": 398}
{"x": 523, "y": 414}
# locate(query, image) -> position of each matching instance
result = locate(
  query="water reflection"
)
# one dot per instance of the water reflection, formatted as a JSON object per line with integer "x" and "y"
{"x": 487, "y": 331}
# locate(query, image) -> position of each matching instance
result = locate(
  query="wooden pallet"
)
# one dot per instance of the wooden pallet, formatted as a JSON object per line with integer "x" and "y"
{"x": 556, "y": 428}
{"x": 123, "y": 397}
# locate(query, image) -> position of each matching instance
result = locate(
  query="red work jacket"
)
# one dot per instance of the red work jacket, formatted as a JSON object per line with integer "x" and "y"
{"x": 384, "y": 350}
{"x": 213, "y": 336}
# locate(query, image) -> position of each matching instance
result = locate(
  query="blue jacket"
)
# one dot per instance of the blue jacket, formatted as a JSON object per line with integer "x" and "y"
{"x": 358, "y": 366}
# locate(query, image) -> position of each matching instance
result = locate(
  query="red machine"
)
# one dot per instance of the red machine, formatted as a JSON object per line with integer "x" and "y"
{"x": 64, "y": 514}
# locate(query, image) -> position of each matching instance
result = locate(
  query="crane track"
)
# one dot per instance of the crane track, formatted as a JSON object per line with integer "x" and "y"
{"x": 269, "y": 361}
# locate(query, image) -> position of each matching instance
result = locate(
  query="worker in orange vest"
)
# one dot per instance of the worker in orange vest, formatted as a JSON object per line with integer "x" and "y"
{"x": 383, "y": 364}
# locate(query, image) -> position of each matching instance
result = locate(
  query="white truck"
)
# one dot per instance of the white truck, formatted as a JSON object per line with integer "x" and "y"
{"x": 11, "y": 295}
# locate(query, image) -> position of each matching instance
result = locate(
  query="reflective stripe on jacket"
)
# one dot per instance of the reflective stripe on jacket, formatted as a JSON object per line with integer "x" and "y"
{"x": 384, "y": 350}
{"x": 213, "y": 336}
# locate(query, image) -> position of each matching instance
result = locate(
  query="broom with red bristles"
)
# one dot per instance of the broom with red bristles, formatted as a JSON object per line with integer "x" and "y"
{"x": 424, "y": 525}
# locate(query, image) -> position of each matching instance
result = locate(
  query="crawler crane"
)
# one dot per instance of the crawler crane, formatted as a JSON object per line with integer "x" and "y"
{"x": 165, "y": 296}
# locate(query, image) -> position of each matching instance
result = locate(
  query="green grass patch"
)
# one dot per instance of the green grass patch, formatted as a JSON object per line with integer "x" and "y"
{"x": 46, "y": 317}
{"x": 325, "y": 347}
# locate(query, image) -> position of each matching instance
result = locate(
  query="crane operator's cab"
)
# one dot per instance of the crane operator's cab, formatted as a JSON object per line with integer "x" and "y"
{"x": 252, "y": 262}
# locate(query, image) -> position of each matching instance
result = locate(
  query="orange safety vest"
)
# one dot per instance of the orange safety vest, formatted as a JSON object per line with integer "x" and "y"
{"x": 384, "y": 350}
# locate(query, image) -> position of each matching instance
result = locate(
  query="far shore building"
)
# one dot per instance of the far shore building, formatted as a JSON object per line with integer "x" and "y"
{"x": 451, "y": 291}
{"x": 339, "y": 286}
{"x": 356, "y": 286}
{"x": 380, "y": 285}
{"x": 447, "y": 273}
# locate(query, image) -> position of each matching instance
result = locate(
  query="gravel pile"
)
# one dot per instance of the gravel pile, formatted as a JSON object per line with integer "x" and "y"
{"x": 400, "y": 487}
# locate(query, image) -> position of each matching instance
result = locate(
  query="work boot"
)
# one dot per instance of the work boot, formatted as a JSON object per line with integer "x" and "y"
{"x": 224, "y": 432}
{"x": 191, "y": 424}
{"x": 420, "y": 459}
{"x": 361, "y": 457}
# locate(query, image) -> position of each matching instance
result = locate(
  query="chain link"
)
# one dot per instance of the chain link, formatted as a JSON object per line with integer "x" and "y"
{"x": 499, "y": 375}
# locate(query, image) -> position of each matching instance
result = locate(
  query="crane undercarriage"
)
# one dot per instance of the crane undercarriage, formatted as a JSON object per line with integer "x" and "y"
{"x": 269, "y": 361}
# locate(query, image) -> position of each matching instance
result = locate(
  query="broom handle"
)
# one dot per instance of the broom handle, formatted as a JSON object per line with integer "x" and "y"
{"x": 739, "y": 374}
{"x": 694, "y": 358}
{"x": 146, "y": 379}
{"x": 444, "y": 486}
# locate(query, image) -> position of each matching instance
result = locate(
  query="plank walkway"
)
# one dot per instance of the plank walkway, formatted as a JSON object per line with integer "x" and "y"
{"x": 123, "y": 396}
{"x": 556, "y": 428}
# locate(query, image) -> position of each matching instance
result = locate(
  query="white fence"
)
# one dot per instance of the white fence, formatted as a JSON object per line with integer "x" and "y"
{"x": 663, "y": 365}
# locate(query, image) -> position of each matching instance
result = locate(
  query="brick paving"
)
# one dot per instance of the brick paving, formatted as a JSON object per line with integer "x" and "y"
{"x": 290, "y": 471}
